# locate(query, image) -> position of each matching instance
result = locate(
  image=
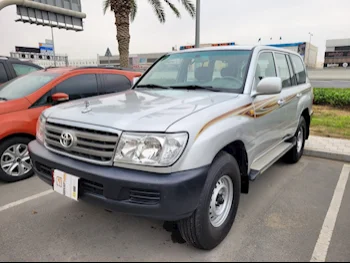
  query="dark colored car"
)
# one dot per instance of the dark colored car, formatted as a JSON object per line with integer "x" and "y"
{"x": 11, "y": 68}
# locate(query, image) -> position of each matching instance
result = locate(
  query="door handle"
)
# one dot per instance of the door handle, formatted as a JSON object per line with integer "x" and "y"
{"x": 281, "y": 102}
{"x": 299, "y": 95}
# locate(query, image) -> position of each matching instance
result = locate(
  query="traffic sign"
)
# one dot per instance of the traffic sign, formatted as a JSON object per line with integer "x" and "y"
{"x": 108, "y": 53}
{"x": 46, "y": 48}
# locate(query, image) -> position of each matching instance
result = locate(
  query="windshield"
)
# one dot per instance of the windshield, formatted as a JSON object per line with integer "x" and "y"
{"x": 25, "y": 85}
{"x": 219, "y": 69}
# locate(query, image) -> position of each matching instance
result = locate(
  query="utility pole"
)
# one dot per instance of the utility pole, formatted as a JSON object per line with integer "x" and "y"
{"x": 198, "y": 23}
{"x": 53, "y": 45}
{"x": 308, "y": 53}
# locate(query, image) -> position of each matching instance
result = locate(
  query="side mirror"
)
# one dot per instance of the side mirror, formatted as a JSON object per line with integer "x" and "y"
{"x": 135, "y": 80}
{"x": 269, "y": 86}
{"x": 59, "y": 97}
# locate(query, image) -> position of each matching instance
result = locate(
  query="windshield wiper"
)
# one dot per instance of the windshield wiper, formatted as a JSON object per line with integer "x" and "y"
{"x": 3, "y": 99}
{"x": 152, "y": 86}
{"x": 196, "y": 87}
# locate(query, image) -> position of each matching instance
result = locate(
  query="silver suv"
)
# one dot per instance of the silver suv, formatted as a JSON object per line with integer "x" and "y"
{"x": 185, "y": 141}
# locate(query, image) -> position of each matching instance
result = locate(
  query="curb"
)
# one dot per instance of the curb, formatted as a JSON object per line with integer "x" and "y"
{"x": 327, "y": 155}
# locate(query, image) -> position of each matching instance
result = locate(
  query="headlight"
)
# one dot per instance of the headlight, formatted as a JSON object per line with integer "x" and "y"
{"x": 40, "y": 128}
{"x": 150, "y": 149}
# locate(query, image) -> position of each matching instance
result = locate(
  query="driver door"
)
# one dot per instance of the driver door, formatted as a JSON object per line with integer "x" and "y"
{"x": 268, "y": 113}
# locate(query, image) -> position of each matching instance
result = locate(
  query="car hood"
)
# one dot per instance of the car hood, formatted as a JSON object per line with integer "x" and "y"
{"x": 141, "y": 110}
{"x": 13, "y": 105}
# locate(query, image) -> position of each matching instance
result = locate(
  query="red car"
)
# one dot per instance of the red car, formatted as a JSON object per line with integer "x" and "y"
{"x": 23, "y": 99}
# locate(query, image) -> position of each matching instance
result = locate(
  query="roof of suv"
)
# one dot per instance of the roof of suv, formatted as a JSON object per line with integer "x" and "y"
{"x": 251, "y": 47}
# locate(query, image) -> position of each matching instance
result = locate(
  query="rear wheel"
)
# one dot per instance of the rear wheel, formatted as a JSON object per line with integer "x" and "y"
{"x": 217, "y": 209}
{"x": 15, "y": 162}
{"x": 294, "y": 155}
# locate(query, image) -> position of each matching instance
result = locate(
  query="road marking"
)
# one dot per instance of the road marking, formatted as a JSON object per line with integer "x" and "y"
{"x": 324, "y": 240}
{"x": 24, "y": 200}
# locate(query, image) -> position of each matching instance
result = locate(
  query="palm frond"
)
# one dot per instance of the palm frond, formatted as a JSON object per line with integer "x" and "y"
{"x": 189, "y": 6}
{"x": 173, "y": 7}
{"x": 133, "y": 10}
{"x": 158, "y": 9}
{"x": 106, "y": 5}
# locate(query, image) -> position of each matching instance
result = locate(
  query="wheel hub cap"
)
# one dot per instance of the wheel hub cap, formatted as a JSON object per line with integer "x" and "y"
{"x": 221, "y": 201}
{"x": 15, "y": 161}
{"x": 300, "y": 139}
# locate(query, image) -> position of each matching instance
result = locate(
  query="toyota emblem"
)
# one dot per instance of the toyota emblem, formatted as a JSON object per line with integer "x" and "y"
{"x": 67, "y": 139}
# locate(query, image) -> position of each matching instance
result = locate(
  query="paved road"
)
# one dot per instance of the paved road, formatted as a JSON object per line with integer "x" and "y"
{"x": 331, "y": 83}
{"x": 280, "y": 220}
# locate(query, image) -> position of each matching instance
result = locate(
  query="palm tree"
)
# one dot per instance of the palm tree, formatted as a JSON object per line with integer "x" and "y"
{"x": 125, "y": 10}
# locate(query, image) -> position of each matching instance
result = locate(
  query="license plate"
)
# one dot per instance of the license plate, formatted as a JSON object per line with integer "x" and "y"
{"x": 66, "y": 184}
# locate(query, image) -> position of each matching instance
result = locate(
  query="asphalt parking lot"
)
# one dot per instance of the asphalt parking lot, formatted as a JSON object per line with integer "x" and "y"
{"x": 287, "y": 216}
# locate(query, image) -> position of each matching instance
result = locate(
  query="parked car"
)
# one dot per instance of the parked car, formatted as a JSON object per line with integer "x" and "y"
{"x": 181, "y": 146}
{"x": 11, "y": 68}
{"x": 23, "y": 99}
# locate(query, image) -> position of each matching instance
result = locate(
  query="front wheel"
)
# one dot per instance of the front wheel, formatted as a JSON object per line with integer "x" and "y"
{"x": 294, "y": 155}
{"x": 217, "y": 209}
{"x": 15, "y": 162}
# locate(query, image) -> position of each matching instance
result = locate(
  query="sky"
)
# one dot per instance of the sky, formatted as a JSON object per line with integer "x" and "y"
{"x": 240, "y": 21}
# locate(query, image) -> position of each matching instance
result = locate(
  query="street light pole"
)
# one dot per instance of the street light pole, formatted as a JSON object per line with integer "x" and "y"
{"x": 53, "y": 45}
{"x": 198, "y": 23}
{"x": 308, "y": 55}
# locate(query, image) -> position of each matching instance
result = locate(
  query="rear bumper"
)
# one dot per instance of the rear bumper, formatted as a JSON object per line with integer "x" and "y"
{"x": 168, "y": 197}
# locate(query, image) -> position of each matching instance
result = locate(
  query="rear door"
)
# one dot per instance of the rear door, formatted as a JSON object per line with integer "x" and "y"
{"x": 289, "y": 94}
{"x": 111, "y": 83}
{"x": 4, "y": 74}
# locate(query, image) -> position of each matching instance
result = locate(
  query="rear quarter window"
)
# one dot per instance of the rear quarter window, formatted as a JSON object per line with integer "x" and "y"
{"x": 299, "y": 69}
{"x": 114, "y": 83}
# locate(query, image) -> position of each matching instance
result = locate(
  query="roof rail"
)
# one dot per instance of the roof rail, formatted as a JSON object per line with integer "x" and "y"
{"x": 105, "y": 67}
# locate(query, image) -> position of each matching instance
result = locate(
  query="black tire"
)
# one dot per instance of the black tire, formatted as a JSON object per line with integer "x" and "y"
{"x": 293, "y": 156}
{"x": 197, "y": 230}
{"x": 4, "y": 145}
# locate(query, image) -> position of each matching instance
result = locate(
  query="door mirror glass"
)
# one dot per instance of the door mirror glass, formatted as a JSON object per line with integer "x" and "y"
{"x": 269, "y": 86}
{"x": 59, "y": 97}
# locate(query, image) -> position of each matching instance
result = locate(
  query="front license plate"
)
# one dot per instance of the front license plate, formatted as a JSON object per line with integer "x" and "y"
{"x": 66, "y": 184}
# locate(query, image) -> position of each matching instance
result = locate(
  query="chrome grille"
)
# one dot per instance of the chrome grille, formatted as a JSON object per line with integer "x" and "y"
{"x": 90, "y": 145}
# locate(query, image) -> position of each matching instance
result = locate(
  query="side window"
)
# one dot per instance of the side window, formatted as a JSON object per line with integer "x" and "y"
{"x": 265, "y": 67}
{"x": 22, "y": 69}
{"x": 283, "y": 68}
{"x": 291, "y": 70}
{"x": 299, "y": 69}
{"x": 114, "y": 83}
{"x": 3, "y": 74}
{"x": 78, "y": 87}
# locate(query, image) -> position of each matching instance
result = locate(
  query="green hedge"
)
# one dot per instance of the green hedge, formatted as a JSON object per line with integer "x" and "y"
{"x": 332, "y": 96}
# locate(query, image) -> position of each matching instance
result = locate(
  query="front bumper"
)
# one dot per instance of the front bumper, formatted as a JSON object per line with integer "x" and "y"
{"x": 167, "y": 197}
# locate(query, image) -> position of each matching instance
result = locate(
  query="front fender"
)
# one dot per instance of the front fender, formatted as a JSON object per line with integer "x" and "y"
{"x": 10, "y": 127}
{"x": 206, "y": 144}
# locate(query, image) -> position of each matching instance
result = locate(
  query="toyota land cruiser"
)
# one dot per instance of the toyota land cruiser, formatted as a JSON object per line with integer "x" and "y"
{"x": 183, "y": 143}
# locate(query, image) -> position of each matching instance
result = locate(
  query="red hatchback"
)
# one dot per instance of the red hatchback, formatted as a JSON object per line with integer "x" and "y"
{"x": 23, "y": 99}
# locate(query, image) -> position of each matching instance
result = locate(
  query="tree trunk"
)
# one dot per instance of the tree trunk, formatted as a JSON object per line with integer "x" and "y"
{"x": 122, "y": 22}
